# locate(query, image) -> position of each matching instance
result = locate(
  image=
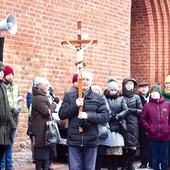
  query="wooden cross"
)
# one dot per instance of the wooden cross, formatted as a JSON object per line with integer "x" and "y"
{"x": 80, "y": 58}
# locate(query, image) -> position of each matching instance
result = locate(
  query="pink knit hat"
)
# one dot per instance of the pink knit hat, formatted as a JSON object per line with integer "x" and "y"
{"x": 8, "y": 70}
{"x": 75, "y": 78}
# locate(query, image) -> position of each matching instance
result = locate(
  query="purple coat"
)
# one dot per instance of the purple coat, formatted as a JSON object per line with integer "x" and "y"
{"x": 155, "y": 118}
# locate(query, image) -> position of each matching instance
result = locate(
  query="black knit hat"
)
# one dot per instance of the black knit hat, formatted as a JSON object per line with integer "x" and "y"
{"x": 156, "y": 87}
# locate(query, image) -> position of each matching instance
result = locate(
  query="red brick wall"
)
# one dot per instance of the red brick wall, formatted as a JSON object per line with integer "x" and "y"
{"x": 150, "y": 40}
{"x": 36, "y": 50}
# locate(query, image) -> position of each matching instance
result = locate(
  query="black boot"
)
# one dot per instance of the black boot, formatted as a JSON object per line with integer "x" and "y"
{"x": 38, "y": 164}
{"x": 99, "y": 162}
{"x": 115, "y": 162}
{"x": 124, "y": 159}
{"x": 109, "y": 162}
{"x": 112, "y": 162}
{"x": 131, "y": 155}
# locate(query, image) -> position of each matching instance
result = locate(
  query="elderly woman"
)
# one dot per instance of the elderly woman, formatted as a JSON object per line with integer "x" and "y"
{"x": 41, "y": 108}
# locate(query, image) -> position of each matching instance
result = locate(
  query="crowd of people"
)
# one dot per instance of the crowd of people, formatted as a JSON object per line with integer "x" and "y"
{"x": 136, "y": 116}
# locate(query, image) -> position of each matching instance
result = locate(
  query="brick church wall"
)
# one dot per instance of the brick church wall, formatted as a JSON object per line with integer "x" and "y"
{"x": 150, "y": 40}
{"x": 36, "y": 50}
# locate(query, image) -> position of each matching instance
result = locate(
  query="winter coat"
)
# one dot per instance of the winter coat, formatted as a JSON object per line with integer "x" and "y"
{"x": 40, "y": 115}
{"x": 132, "y": 134}
{"x": 144, "y": 99}
{"x": 117, "y": 107}
{"x": 134, "y": 104}
{"x": 155, "y": 118}
{"x": 94, "y": 106}
{"x": 15, "y": 98}
{"x": 6, "y": 121}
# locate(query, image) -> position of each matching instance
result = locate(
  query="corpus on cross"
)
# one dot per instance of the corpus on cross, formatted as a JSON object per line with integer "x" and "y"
{"x": 80, "y": 58}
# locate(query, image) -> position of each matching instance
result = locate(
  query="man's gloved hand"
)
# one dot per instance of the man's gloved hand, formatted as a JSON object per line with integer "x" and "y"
{"x": 80, "y": 101}
{"x": 82, "y": 115}
{"x": 15, "y": 111}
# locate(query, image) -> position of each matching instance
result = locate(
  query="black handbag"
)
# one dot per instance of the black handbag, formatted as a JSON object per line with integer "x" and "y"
{"x": 123, "y": 126}
{"x": 52, "y": 134}
{"x": 29, "y": 128}
{"x": 120, "y": 127}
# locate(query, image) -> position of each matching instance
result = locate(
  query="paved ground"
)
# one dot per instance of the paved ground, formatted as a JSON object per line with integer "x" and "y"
{"x": 23, "y": 161}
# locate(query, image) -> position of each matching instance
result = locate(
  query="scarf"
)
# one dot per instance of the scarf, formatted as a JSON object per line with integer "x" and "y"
{"x": 128, "y": 93}
{"x": 167, "y": 91}
{"x": 166, "y": 94}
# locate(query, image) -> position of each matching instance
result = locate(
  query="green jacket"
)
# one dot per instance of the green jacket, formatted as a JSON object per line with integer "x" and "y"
{"x": 15, "y": 98}
{"x": 6, "y": 120}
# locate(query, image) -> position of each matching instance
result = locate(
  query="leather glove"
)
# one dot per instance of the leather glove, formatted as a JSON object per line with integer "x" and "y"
{"x": 114, "y": 118}
{"x": 15, "y": 111}
{"x": 51, "y": 90}
{"x": 56, "y": 100}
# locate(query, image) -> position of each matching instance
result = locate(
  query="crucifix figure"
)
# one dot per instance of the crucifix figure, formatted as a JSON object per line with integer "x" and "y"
{"x": 80, "y": 58}
{"x": 80, "y": 52}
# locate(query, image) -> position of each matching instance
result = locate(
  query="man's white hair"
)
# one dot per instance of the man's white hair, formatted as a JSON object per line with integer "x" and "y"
{"x": 89, "y": 72}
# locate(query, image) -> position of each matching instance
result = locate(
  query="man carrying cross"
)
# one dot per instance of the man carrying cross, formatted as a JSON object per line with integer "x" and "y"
{"x": 84, "y": 110}
{"x": 80, "y": 58}
{"x": 82, "y": 146}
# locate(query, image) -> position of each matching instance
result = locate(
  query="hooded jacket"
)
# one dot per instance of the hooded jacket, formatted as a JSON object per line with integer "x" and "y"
{"x": 155, "y": 118}
{"x": 134, "y": 104}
